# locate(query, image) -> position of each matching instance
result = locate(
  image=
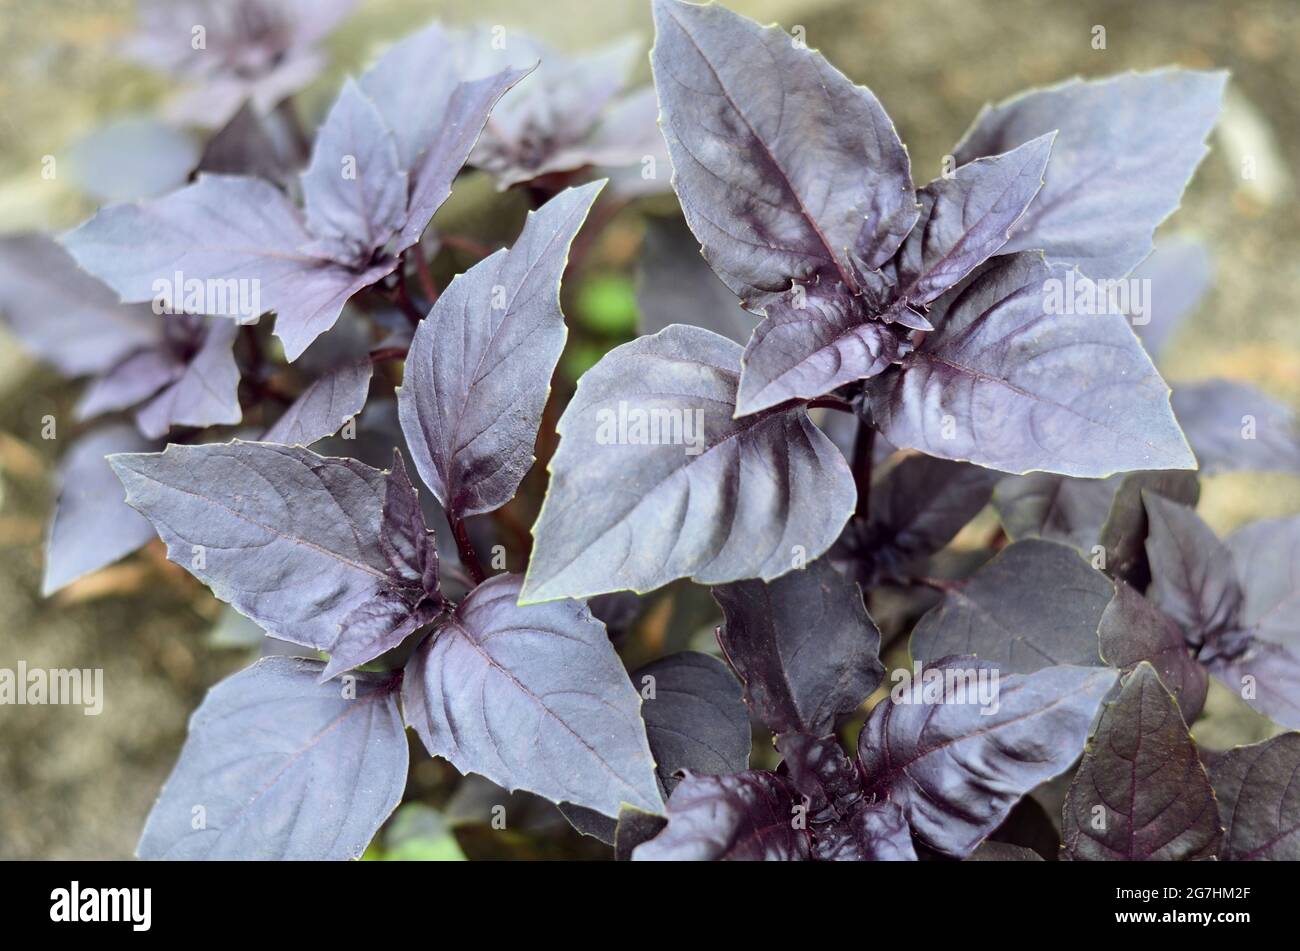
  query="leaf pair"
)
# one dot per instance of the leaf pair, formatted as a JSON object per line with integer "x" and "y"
{"x": 334, "y": 555}
{"x": 946, "y": 768}
{"x": 373, "y": 184}
{"x": 802, "y": 198}
{"x": 794, "y": 181}
{"x": 807, "y": 652}
{"x": 1235, "y": 601}
{"x": 326, "y": 553}
{"x": 532, "y": 698}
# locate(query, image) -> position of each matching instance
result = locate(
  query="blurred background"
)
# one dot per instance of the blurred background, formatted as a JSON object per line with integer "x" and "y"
{"x": 76, "y": 786}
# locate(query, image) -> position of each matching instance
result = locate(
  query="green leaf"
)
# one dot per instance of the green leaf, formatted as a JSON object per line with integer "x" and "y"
{"x": 607, "y": 305}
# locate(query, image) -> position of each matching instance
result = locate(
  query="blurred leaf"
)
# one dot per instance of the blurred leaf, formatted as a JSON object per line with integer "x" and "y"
{"x": 132, "y": 157}
{"x": 420, "y": 834}
{"x": 579, "y": 358}
{"x": 607, "y": 305}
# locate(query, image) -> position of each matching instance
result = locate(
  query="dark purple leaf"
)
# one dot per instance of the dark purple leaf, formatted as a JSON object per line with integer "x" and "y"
{"x": 206, "y": 393}
{"x": 676, "y": 286}
{"x": 618, "y": 611}
{"x": 1259, "y": 800}
{"x": 812, "y": 342}
{"x": 1030, "y": 824}
{"x": 873, "y": 832}
{"x": 1007, "y": 383}
{"x": 247, "y": 145}
{"x": 278, "y": 766}
{"x": 990, "y": 851}
{"x": 695, "y": 721}
{"x": 1141, "y": 793}
{"x": 239, "y": 236}
{"x": 532, "y": 698}
{"x": 956, "y": 771}
{"x": 479, "y": 368}
{"x": 1193, "y": 577}
{"x": 966, "y": 218}
{"x": 1234, "y": 427}
{"x": 324, "y": 406}
{"x": 1125, "y": 149}
{"x": 1124, "y": 533}
{"x": 1180, "y": 271}
{"x": 63, "y": 315}
{"x": 917, "y": 507}
{"x": 619, "y": 513}
{"x": 1055, "y": 507}
{"x": 824, "y": 775}
{"x": 297, "y": 542}
{"x": 92, "y": 525}
{"x": 785, "y": 169}
{"x": 592, "y": 823}
{"x": 745, "y": 817}
{"x": 410, "y": 599}
{"x": 803, "y": 645}
{"x": 634, "y": 827}
{"x": 354, "y": 191}
{"x": 694, "y": 717}
{"x": 1036, "y": 604}
{"x": 1133, "y": 630}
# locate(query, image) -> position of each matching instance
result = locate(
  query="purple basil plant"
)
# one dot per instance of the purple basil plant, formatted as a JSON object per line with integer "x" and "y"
{"x": 838, "y": 372}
